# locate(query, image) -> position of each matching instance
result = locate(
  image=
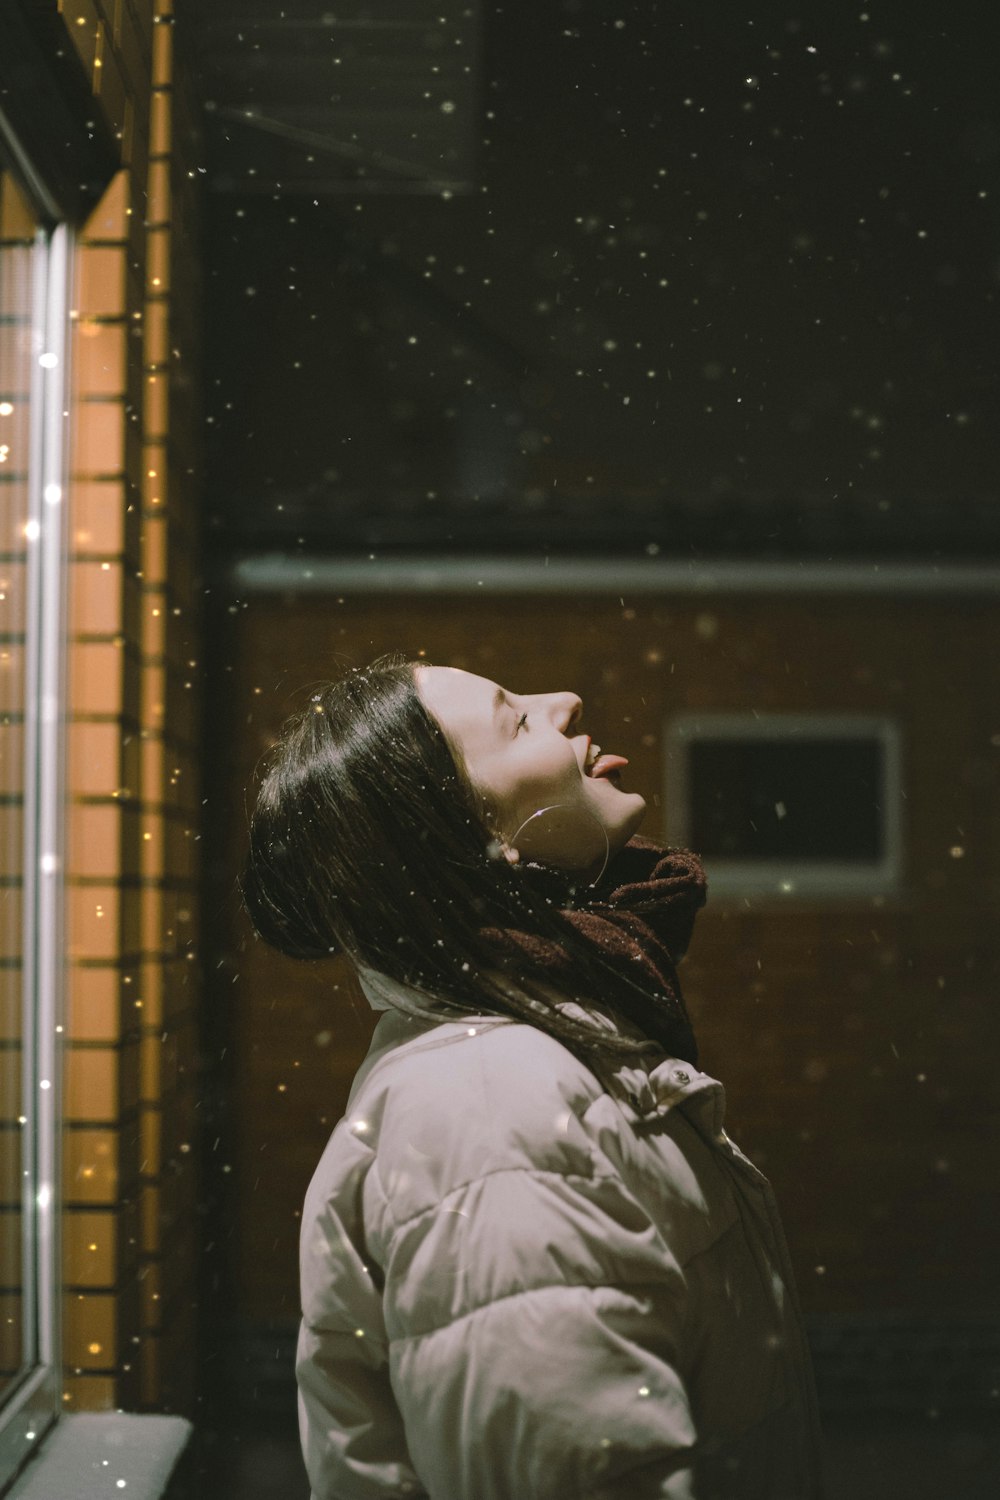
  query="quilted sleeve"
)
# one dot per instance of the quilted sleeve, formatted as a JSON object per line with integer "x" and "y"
{"x": 351, "y": 1435}
{"x": 536, "y": 1343}
{"x": 352, "y": 1438}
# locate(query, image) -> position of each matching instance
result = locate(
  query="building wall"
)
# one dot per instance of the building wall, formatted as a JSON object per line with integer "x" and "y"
{"x": 855, "y": 1038}
{"x": 130, "y": 1253}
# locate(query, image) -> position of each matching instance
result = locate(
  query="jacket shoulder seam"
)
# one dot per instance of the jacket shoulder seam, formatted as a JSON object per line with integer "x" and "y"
{"x": 532, "y": 1171}
{"x": 532, "y": 1291}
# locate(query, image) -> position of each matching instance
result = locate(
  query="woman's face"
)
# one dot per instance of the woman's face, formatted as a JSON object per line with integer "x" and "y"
{"x": 520, "y": 750}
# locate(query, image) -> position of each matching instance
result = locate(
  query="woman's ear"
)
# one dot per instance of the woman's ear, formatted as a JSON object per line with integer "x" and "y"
{"x": 499, "y": 848}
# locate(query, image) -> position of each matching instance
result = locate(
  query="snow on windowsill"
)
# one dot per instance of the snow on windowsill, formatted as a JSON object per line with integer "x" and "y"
{"x": 100, "y": 1455}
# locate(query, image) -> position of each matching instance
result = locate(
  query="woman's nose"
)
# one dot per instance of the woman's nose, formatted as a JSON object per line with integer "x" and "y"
{"x": 570, "y": 709}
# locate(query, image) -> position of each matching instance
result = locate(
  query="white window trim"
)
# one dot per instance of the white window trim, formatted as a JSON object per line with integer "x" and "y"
{"x": 662, "y": 579}
{"x": 34, "y": 1405}
{"x": 802, "y": 880}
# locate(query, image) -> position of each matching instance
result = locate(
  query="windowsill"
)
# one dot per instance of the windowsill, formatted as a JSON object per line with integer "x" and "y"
{"x": 97, "y": 1454}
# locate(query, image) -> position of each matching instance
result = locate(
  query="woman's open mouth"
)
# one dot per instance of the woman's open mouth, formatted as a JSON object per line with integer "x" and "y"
{"x": 601, "y": 766}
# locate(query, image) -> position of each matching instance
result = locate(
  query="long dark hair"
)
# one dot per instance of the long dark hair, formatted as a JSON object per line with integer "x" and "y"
{"x": 369, "y": 838}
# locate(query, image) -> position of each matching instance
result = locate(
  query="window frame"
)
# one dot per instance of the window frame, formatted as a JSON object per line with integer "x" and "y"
{"x": 796, "y": 880}
{"x": 33, "y": 1404}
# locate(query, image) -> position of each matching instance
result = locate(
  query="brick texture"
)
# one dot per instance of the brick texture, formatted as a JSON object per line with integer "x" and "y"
{"x": 132, "y": 765}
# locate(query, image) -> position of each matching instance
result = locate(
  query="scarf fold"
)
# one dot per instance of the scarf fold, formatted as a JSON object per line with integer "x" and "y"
{"x": 639, "y": 917}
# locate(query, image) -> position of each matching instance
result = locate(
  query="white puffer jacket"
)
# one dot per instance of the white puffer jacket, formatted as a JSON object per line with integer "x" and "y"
{"x": 520, "y": 1282}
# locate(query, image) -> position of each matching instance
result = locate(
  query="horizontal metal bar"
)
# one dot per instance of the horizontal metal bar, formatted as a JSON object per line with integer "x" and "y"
{"x": 304, "y": 574}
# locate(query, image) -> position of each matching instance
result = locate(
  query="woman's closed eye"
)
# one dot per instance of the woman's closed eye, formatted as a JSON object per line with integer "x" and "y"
{"x": 521, "y": 721}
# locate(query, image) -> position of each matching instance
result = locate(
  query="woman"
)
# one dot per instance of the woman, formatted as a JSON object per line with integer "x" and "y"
{"x": 533, "y": 1265}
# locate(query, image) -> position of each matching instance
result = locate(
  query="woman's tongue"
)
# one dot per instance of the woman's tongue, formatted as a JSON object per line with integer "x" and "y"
{"x": 604, "y": 764}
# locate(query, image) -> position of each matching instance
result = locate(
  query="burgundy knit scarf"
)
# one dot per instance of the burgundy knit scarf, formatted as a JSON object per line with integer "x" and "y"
{"x": 639, "y": 916}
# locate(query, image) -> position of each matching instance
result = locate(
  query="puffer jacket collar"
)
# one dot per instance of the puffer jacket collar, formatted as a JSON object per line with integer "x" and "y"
{"x": 644, "y": 1088}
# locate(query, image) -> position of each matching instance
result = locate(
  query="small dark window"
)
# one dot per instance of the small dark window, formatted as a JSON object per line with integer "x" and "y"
{"x": 790, "y": 800}
{"x": 788, "y": 805}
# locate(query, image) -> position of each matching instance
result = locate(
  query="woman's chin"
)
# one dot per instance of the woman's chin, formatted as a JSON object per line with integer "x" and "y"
{"x": 629, "y": 821}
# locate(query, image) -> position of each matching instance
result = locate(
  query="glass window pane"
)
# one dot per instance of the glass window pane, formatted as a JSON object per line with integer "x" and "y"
{"x": 776, "y": 799}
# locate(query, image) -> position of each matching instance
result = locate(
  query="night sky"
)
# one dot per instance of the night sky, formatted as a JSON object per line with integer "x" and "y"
{"x": 727, "y": 279}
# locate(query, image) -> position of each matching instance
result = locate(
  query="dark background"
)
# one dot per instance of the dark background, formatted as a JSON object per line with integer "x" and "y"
{"x": 717, "y": 278}
{"x": 676, "y": 281}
